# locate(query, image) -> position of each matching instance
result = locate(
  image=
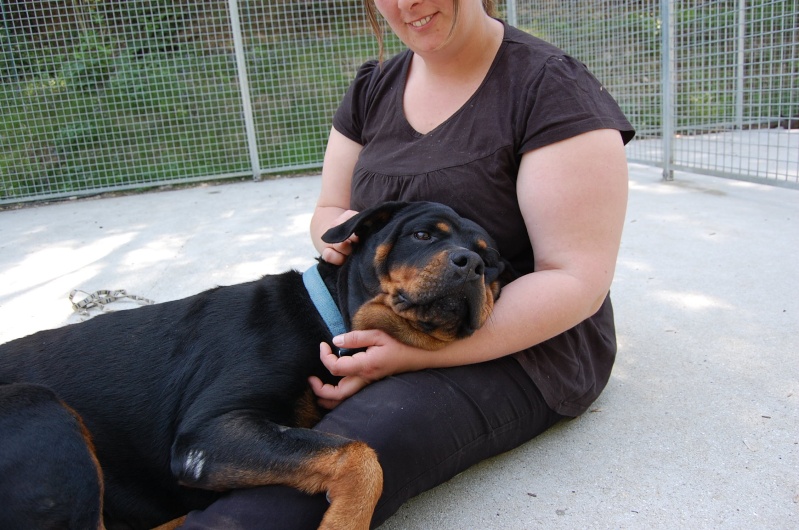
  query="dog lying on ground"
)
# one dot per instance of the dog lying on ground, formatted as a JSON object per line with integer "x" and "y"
{"x": 133, "y": 419}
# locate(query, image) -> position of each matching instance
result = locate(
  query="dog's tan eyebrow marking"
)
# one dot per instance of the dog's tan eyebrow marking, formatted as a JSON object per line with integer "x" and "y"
{"x": 444, "y": 227}
{"x": 481, "y": 243}
{"x": 381, "y": 254}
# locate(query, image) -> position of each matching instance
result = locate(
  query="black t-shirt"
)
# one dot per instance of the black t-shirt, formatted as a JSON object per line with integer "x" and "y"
{"x": 532, "y": 96}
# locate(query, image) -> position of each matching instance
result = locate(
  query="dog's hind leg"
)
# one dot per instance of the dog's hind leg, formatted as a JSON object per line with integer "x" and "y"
{"x": 354, "y": 482}
{"x": 49, "y": 474}
{"x": 240, "y": 449}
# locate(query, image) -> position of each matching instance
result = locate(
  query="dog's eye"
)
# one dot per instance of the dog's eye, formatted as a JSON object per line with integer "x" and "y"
{"x": 421, "y": 235}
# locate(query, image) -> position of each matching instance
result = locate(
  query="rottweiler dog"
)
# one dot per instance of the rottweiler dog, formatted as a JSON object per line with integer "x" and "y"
{"x": 134, "y": 418}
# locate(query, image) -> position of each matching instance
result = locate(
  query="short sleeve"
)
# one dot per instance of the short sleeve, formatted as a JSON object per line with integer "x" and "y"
{"x": 566, "y": 100}
{"x": 350, "y": 117}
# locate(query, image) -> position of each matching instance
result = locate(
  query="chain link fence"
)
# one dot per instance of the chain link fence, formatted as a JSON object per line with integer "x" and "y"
{"x": 100, "y": 95}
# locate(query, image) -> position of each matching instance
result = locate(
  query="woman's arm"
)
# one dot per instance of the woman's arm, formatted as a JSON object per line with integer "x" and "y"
{"x": 332, "y": 207}
{"x": 573, "y": 196}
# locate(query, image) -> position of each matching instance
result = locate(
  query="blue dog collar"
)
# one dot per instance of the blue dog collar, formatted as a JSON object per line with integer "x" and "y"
{"x": 324, "y": 303}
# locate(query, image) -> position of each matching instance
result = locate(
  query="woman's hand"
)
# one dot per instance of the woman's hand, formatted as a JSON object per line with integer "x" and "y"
{"x": 384, "y": 356}
{"x": 336, "y": 253}
{"x": 332, "y": 207}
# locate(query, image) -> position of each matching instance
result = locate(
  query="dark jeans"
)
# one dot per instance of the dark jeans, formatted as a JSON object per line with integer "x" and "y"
{"x": 426, "y": 427}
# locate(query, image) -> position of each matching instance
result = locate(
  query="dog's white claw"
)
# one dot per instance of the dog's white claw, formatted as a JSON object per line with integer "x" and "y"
{"x": 194, "y": 463}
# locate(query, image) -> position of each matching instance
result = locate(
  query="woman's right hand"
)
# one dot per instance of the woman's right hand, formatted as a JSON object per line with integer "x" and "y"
{"x": 336, "y": 253}
{"x": 332, "y": 207}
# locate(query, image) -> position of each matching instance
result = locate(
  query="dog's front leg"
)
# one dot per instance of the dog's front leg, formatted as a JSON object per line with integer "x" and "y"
{"x": 240, "y": 449}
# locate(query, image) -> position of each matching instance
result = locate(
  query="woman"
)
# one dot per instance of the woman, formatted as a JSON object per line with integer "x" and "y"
{"x": 519, "y": 137}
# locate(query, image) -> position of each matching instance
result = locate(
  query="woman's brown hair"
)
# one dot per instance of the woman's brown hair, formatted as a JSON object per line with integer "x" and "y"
{"x": 490, "y": 7}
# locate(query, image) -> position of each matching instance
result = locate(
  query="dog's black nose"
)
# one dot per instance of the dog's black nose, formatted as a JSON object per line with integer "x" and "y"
{"x": 467, "y": 264}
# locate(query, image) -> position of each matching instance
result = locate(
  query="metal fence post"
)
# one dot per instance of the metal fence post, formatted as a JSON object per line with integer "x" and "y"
{"x": 510, "y": 12}
{"x": 244, "y": 87}
{"x": 741, "y": 49}
{"x": 667, "y": 73}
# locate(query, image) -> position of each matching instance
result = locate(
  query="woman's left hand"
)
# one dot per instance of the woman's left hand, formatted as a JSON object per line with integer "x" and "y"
{"x": 384, "y": 356}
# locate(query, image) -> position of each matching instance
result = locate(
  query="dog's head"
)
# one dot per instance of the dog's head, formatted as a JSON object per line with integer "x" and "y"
{"x": 419, "y": 272}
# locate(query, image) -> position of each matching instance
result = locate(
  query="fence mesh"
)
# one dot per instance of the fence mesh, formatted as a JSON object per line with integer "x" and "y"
{"x": 100, "y": 95}
{"x": 711, "y": 87}
{"x": 103, "y": 95}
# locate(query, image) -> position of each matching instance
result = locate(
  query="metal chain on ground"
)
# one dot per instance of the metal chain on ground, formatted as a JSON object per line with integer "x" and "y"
{"x": 100, "y": 299}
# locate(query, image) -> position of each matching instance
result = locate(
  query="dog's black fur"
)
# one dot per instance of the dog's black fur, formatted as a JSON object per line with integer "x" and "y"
{"x": 184, "y": 399}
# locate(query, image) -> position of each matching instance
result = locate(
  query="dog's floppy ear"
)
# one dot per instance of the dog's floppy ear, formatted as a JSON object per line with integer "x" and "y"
{"x": 364, "y": 223}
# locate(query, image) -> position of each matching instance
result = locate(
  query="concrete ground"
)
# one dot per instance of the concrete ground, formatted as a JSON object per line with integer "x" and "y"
{"x": 698, "y": 428}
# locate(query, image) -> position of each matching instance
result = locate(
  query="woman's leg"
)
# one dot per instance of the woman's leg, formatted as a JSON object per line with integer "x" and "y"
{"x": 426, "y": 427}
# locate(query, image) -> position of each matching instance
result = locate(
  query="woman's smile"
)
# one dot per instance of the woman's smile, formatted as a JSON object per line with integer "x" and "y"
{"x": 423, "y": 26}
{"x": 422, "y": 21}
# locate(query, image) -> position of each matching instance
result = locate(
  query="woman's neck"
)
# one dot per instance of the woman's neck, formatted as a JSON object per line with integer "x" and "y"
{"x": 437, "y": 85}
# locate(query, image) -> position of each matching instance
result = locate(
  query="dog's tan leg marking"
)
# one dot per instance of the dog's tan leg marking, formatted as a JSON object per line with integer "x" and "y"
{"x": 350, "y": 475}
{"x": 306, "y": 412}
{"x": 354, "y": 485}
